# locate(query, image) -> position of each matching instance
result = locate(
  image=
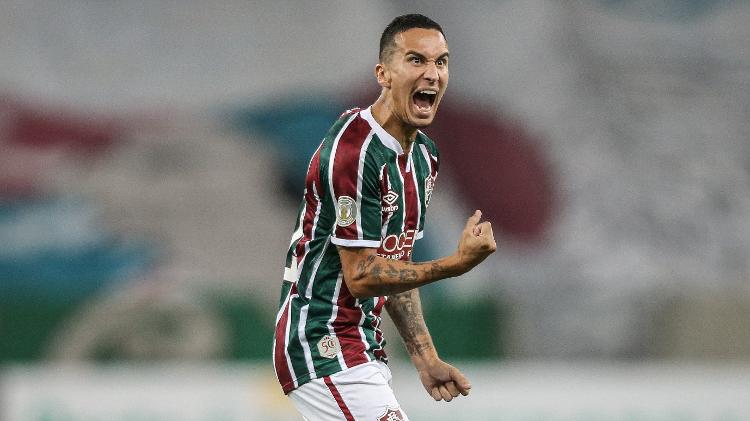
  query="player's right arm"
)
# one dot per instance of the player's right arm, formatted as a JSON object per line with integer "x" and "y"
{"x": 368, "y": 275}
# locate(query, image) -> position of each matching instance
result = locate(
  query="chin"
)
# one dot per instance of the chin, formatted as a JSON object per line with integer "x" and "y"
{"x": 421, "y": 119}
{"x": 421, "y": 122}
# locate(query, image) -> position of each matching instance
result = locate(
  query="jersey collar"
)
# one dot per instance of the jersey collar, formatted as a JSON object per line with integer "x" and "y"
{"x": 389, "y": 141}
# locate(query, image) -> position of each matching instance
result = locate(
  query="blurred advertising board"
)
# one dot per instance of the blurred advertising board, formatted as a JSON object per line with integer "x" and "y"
{"x": 509, "y": 391}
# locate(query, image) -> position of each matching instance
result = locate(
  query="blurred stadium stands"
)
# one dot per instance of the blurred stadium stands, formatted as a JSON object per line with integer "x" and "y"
{"x": 150, "y": 158}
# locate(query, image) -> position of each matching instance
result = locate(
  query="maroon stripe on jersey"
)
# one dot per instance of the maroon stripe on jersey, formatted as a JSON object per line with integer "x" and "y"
{"x": 339, "y": 400}
{"x": 411, "y": 201}
{"x": 312, "y": 184}
{"x": 283, "y": 371}
{"x": 346, "y": 327}
{"x": 346, "y": 168}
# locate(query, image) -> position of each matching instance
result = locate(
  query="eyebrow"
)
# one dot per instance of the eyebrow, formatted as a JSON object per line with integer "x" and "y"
{"x": 444, "y": 55}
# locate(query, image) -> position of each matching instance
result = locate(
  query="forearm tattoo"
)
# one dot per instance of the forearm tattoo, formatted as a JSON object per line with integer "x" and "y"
{"x": 388, "y": 273}
{"x": 405, "y": 310}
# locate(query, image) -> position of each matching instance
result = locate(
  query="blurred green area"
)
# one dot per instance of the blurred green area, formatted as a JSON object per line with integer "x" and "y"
{"x": 28, "y": 324}
{"x": 467, "y": 330}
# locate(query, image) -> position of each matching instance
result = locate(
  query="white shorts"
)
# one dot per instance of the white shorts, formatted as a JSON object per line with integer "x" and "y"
{"x": 360, "y": 393}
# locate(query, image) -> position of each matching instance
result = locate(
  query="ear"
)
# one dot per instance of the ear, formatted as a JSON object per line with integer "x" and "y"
{"x": 382, "y": 75}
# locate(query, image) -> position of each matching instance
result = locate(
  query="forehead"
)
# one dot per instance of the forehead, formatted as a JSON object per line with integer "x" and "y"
{"x": 428, "y": 42}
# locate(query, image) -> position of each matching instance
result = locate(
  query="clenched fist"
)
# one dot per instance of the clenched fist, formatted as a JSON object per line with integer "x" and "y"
{"x": 477, "y": 241}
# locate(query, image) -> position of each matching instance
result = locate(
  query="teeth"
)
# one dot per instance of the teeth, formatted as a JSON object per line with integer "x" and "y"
{"x": 428, "y": 92}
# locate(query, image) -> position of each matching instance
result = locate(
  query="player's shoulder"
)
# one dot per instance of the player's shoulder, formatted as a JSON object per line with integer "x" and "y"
{"x": 353, "y": 131}
{"x": 361, "y": 127}
{"x": 352, "y": 122}
{"x": 350, "y": 112}
{"x": 340, "y": 126}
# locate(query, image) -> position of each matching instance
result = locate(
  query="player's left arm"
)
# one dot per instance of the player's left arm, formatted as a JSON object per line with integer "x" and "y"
{"x": 441, "y": 380}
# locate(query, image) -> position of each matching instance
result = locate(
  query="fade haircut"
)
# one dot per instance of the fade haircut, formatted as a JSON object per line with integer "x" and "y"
{"x": 401, "y": 24}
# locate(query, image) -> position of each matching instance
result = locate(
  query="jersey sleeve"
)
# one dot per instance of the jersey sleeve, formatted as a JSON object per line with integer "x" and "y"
{"x": 355, "y": 186}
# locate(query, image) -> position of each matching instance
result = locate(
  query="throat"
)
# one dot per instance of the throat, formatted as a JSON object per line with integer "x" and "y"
{"x": 394, "y": 124}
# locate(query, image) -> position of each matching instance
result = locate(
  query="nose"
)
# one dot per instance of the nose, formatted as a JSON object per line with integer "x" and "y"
{"x": 431, "y": 72}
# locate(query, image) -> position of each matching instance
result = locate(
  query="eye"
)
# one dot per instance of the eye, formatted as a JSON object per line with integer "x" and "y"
{"x": 415, "y": 60}
{"x": 441, "y": 62}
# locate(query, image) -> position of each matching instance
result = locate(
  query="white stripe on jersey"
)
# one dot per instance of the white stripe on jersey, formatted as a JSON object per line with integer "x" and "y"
{"x": 303, "y": 312}
{"x": 308, "y": 290}
{"x": 356, "y": 243}
{"x": 403, "y": 195}
{"x": 361, "y": 330}
{"x": 297, "y": 234}
{"x": 286, "y": 341}
{"x": 303, "y": 340}
{"x": 416, "y": 191}
{"x": 332, "y": 160}
{"x": 281, "y": 309}
{"x": 334, "y": 313}
{"x": 291, "y": 273}
{"x": 376, "y": 328}
{"x": 360, "y": 175}
{"x": 427, "y": 156}
{"x": 286, "y": 306}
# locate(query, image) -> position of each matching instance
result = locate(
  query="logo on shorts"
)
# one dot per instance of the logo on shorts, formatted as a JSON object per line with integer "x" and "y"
{"x": 392, "y": 415}
{"x": 329, "y": 346}
{"x": 346, "y": 209}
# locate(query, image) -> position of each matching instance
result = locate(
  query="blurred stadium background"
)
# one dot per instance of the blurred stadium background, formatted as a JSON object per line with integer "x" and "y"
{"x": 150, "y": 163}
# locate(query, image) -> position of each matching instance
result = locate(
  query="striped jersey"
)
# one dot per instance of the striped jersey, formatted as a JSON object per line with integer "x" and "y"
{"x": 362, "y": 190}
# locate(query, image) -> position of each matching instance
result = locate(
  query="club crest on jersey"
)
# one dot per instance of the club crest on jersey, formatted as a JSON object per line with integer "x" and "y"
{"x": 392, "y": 415}
{"x": 329, "y": 346}
{"x": 429, "y": 184}
{"x": 346, "y": 209}
{"x": 389, "y": 199}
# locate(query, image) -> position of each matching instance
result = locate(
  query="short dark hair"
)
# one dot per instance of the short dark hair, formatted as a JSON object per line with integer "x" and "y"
{"x": 401, "y": 24}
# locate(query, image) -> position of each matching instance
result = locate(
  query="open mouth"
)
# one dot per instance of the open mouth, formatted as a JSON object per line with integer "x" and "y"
{"x": 424, "y": 99}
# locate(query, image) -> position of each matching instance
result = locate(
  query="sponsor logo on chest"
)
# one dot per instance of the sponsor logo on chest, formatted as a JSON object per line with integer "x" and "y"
{"x": 396, "y": 246}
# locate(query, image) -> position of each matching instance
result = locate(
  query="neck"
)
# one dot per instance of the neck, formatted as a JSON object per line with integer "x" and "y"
{"x": 383, "y": 114}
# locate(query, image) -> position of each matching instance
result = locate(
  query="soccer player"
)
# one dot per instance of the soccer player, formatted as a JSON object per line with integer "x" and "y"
{"x": 367, "y": 190}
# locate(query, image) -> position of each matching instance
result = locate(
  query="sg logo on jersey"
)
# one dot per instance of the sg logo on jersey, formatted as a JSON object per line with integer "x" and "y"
{"x": 345, "y": 211}
{"x": 329, "y": 346}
